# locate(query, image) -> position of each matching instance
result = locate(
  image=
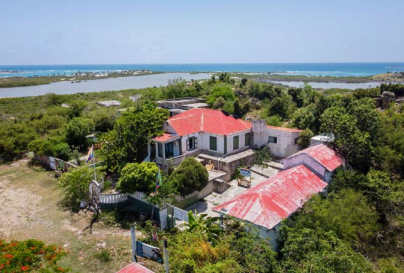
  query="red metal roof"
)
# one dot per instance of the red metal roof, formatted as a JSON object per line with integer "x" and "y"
{"x": 293, "y": 130}
{"x": 165, "y": 137}
{"x": 207, "y": 120}
{"x": 323, "y": 155}
{"x": 275, "y": 199}
{"x": 135, "y": 268}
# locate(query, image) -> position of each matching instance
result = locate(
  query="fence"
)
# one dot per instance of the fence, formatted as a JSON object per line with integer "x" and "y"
{"x": 54, "y": 163}
{"x": 136, "y": 202}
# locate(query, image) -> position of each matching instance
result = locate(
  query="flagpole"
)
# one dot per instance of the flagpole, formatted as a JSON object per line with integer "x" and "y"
{"x": 95, "y": 176}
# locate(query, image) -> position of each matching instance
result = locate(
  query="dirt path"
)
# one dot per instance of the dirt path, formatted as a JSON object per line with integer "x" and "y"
{"x": 29, "y": 208}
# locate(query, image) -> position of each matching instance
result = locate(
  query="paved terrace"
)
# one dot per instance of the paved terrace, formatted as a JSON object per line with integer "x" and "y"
{"x": 205, "y": 205}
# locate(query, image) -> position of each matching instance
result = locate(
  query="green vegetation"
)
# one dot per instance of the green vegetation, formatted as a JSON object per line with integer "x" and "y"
{"x": 127, "y": 142}
{"x": 189, "y": 176}
{"x": 357, "y": 227}
{"x": 138, "y": 177}
{"x": 75, "y": 184}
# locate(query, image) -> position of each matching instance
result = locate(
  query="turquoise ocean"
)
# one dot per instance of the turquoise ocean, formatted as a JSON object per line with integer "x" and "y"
{"x": 312, "y": 69}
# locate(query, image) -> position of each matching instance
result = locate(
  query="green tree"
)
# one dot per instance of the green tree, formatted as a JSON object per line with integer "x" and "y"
{"x": 77, "y": 130}
{"x": 75, "y": 184}
{"x": 281, "y": 106}
{"x": 189, "y": 176}
{"x": 138, "y": 177}
{"x": 76, "y": 108}
{"x": 355, "y": 145}
{"x": 237, "y": 108}
{"x": 174, "y": 89}
{"x": 223, "y": 91}
{"x": 127, "y": 142}
{"x": 348, "y": 214}
{"x": 219, "y": 103}
{"x": 304, "y": 138}
{"x": 308, "y": 250}
{"x": 306, "y": 117}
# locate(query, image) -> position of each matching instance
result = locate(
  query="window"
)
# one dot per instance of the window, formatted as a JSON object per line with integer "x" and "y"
{"x": 192, "y": 143}
{"x": 169, "y": 149}
{"x": 272, "y": 139}
{"x": 296, "y": 140}
{"x": 213, "y": 143}
{"x": 247, "y": 139}
{"x": 160, "y": 150}
{"x": 235, "y": 142}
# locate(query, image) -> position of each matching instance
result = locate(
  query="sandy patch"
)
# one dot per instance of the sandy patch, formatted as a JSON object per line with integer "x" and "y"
{"x": 17, "y": 207}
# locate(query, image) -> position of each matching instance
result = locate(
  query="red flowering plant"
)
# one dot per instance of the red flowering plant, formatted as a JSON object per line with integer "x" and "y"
{"x": 30, "y": 256}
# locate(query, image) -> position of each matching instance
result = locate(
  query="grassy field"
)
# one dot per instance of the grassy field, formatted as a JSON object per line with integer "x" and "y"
{"x": 30, "y": 208}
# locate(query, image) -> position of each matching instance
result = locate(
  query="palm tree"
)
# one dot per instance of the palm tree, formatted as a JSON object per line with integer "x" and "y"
{"x": 205, "y": 225}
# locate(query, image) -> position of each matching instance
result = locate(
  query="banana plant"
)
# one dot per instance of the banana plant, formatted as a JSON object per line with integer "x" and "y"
{"x": 205, "y": 225}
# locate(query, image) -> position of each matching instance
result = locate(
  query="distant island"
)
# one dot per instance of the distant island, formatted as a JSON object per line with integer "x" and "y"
{"x": 19, "y": 81}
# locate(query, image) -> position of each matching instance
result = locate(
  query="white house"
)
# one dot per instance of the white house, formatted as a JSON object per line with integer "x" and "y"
{"x": 216, "y": 133}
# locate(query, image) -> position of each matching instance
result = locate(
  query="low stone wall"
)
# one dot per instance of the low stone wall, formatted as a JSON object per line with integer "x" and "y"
{"x": 230, "y": 163}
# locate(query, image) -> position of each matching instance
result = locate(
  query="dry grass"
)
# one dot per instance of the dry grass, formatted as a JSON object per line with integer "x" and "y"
{"x": 29, "y": 208}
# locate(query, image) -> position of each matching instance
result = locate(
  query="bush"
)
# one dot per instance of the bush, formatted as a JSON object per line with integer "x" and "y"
{"x": 75, "y": 184}
{"x": 77, "y": 130}
{"x": 138, "y": 177}
{"x": 189, "y": 176}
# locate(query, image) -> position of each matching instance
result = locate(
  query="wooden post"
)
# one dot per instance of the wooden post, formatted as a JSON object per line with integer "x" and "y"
{"x": 133, "y": 239}
{"x": 166, "y": 257}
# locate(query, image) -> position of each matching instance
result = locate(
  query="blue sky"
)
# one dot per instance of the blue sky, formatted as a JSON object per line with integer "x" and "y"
{"x": 179, "y": 31}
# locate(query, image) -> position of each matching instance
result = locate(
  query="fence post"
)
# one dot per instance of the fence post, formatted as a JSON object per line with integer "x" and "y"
{"x": 166, "y": 256}
{"x": 133, "y": 239}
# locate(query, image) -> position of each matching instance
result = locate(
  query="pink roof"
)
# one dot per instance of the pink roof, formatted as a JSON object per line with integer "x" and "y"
{"x": 165, "y": 137}
{"x": 135, "y": 268}
{"x": 323, "y": 155}
{"x": 207, "y": 120}
{"x": 276, "y": 198}
{"x": 293, "y": 130}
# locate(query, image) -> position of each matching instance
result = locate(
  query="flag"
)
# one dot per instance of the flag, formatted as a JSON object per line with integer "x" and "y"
{"x": 90, "y": 154}
{"x": 158, "y": 180}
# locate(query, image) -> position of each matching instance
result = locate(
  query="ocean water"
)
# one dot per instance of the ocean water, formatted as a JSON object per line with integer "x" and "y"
{"x": 313, "y": 69}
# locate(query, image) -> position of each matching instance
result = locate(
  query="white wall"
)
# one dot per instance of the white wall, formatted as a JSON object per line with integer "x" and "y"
{"x": 308, "y": 161}
{"x": 241, "y": 142}
{"x": 285, "y": 145}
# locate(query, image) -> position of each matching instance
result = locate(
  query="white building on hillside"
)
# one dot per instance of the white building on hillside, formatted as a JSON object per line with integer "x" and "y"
{"x": 219, "y": 134}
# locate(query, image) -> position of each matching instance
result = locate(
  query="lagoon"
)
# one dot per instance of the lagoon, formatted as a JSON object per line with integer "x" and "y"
{"x": 111, "y": 84}
{"x": 328, "y": 85}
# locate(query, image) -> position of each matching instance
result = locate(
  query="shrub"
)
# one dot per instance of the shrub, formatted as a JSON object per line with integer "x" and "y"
{"x": 189, "y": 176}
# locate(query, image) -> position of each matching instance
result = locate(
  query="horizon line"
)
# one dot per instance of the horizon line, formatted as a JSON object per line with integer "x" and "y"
{"x": 225, "y": 63}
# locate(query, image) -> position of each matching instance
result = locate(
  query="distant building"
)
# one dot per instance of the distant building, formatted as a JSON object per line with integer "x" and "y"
{"x": 135, "y": 98}
{"x": 177, "y": 106}
{"x": 306, "y": 173}
{"x": 109, "y": 103}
